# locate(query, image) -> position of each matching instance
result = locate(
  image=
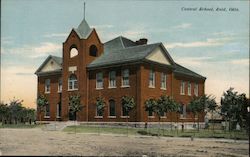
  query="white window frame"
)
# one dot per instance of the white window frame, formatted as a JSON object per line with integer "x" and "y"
{"x": 59, "y": 85}
{"x": 99, "y": 80}
{"x": 74, "y": 83}
{"x": 125, "y": 78}
{"x": 109, "y": 116}
{"x": 163, "y": 81}
{"x": 196, "y": 89}
{"x": 189, "y": 88}
{"x": 45, "y": 113}
{"x": 47, "y": 86}
{"x": 182, "y": 88}
{"x": 184, "y": 111}
{"x": 152, "y": 78}
{"x": 112, "y": 79}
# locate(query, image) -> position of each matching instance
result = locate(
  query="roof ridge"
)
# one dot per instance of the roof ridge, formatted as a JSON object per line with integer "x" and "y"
{"x": 120, "y": 37}
{"x": 143, "y": 45}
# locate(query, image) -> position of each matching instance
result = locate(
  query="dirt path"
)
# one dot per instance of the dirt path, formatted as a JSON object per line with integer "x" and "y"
{"x": 39, "y": 142}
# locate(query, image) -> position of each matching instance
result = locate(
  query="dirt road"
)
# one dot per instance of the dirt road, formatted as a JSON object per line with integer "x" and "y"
{"x": 38, "y": 142}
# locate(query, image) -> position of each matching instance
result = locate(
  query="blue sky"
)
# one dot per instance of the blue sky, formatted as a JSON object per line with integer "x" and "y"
{"x": 213, "y": 44}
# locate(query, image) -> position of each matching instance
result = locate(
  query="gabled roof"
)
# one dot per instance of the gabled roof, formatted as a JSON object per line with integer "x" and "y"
{"x": 58, "y": 60}
{"x": 83, "y": 30}
{"x": 118, "y": 56}
{"x": 182, "y": 70}
{"x": 118, "y": 43}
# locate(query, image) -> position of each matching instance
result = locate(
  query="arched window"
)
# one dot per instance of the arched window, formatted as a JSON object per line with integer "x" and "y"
{"x": 73, "y": 51}
{"x": 93, "y": 50}
{"x": 111, "y": 108}
{"x": 72, "y": 82}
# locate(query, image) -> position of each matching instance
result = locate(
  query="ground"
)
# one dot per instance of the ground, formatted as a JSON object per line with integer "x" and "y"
{"x": 35, "y": 141}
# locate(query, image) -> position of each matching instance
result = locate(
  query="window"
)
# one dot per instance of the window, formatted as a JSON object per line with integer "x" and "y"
{"x": 112, "y": 81}
{"x": 183, "y": 111}
{"x": 47, "y": 111}
{"x": 152, "y": 78}
{"x": 47, "y": 86}
{"x": 58, "y": 110}
{"x": 73, "y": 52}
{"x": 182, "y": 88}
{"x": 93, "y": 50}
{"x": 163, "y": 81}
{"x": 111, "y": 108}
{"x": 99, "y": 80}
{"x": 189, "y": 88}
{"x": 60, "y": 85}
{"x": 72, "y": 82}
{"x": 196, "y": 89}
{"x": 125, "y": 78}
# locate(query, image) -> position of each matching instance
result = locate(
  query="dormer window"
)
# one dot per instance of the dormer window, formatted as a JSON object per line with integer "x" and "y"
{"x": 93, "y": 50}
{"x": 73, "y": 52}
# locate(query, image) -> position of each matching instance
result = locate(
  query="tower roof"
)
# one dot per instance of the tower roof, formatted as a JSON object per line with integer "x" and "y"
{"x": 83, "y": 30}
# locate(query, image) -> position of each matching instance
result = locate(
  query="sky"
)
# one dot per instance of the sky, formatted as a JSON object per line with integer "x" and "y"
{"x": 214, "y": 44}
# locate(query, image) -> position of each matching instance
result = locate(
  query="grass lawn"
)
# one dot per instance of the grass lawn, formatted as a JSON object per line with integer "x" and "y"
{"x": 240, "y": 135}
{"x": 19, "y": 126}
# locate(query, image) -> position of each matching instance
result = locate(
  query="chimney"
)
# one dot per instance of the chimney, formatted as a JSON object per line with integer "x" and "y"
{"x": 142, "y": 41}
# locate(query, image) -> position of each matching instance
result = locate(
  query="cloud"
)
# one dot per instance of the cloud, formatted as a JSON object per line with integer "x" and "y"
{"x": 55, "y": 35}
{"x": 183, "y": 26}
{"x": 207, "y": 43}
{"x": 240, "y": 62}
{"x": 32, "y": 51}
{"x": 17, "y": 81}
{"x": 192, "y": 61}
{"x": 102, "y": 26}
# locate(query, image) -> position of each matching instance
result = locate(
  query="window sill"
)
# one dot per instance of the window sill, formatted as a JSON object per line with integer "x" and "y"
{"x": 47, "y": 92}
{"x": 98, "y": 116}
{"x": 163, "y": 116}
{"x": 182, "y": 94}
{"x": 72, "y": 90}
{"x": 98, "y": 88}
{"x": 151, "y": 86}
{"x": 125, "y": 86}
{"x": 151, "y": 116}
{"x": 124, "y": 116}
{"x": 59, "y": 91}
{"x": 189, "y": 94}
{"x": 58, "y": 116}
{"x": 111, "y": 116}
{"x": 111, "y": 87}
{"x": 163, "y": 88}
{"x": 46, "y": 116}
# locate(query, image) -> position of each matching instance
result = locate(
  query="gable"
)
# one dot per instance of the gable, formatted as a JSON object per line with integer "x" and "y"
{"x": 51, "y": 65}
{"x": 158, "y": 55}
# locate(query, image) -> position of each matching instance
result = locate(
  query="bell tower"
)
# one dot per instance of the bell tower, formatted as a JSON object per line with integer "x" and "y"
{"x": 81, "y": 47}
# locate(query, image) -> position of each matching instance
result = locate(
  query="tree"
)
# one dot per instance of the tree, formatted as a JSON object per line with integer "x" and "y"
{"x": 211, "y": 107}
{"x": 149, "y": 105}
{"x": 4, "y": 112}
{"x": 234, "y": 108}
{"x": 41, "y": 103}
{"x": 128, "y": 104}
{"x": 75, "y": 104}
{"x": 16, "y": 110}
{"x": 196, "y": 106}
{"x": 100, "y": 105}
